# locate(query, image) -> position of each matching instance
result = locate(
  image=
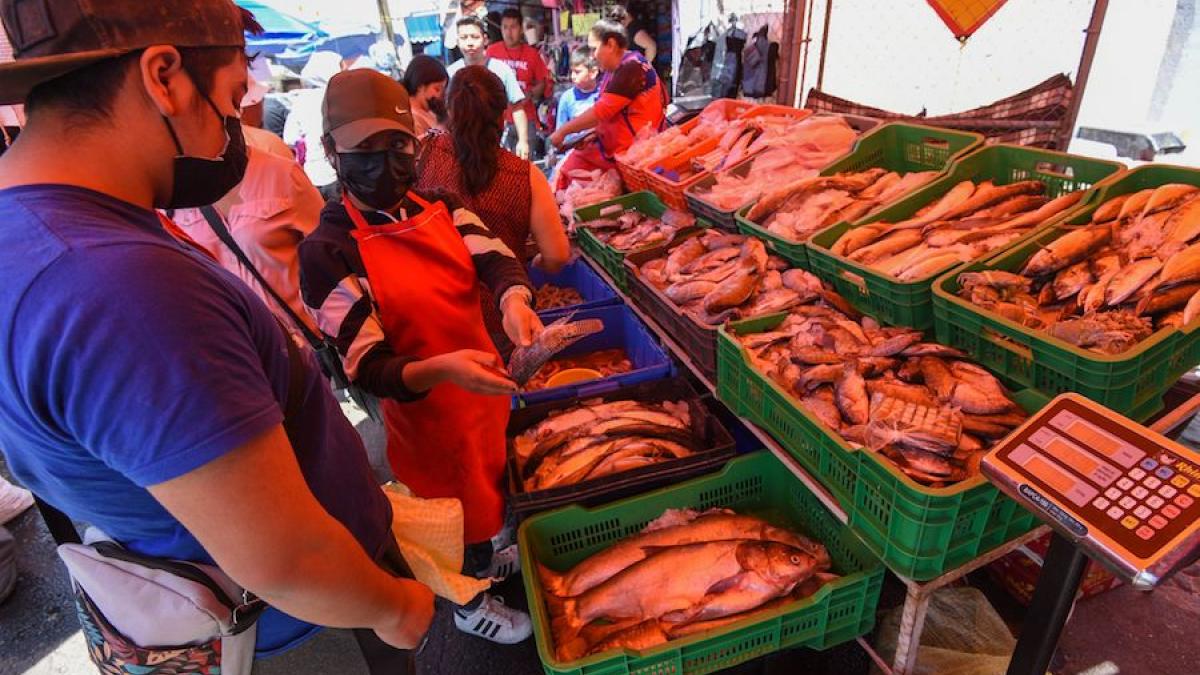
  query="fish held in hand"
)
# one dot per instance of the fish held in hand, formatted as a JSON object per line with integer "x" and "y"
{"x": 527, "y": 361}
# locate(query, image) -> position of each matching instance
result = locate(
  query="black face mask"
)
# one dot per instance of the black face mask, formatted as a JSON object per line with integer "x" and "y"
{"x": 200, "y": 181}
{"x": 379, "y": 179}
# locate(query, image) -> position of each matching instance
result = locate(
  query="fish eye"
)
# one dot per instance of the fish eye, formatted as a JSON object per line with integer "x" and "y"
{"x": 795, "y": 560}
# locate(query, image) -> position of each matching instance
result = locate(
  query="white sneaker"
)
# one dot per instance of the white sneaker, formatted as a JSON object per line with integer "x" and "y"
{"x": 493, "y": 620}
{"x": 505, "y": 537}
{"x": 13, "y": 501}
{"x": 505, "y": 563}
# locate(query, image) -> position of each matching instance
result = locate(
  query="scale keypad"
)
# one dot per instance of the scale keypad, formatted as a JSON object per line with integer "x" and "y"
{"x": 1140, "y": 500}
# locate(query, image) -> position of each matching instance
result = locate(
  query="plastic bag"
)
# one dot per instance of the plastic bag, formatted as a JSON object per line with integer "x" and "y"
{"x": 963, "y": 636}
{"x": 430, "y": 535}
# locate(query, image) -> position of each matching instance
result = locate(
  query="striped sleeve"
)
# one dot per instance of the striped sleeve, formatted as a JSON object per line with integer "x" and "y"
{"x": 340, "y": 299}
{"x": 495, "y": 263}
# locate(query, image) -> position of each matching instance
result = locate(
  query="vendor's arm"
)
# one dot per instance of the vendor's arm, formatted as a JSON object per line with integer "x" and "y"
{"x": 331, "y": 288}
{"x": 585, "y": 121}
{"x": 554, "y": 250}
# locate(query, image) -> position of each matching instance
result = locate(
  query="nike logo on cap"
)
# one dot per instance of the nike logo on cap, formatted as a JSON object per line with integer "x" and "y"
{"x": 401, "y": 111}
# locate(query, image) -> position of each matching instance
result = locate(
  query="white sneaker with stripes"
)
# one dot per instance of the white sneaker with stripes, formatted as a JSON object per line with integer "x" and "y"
{"x": 493, "y": 620}
{"x": 505, "y": 563}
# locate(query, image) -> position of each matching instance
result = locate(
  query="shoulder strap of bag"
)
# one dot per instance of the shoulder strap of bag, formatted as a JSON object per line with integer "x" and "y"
{"x": 217, "y": 223}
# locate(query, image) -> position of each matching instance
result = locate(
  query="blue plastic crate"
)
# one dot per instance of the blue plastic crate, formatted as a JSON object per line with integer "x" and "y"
{"x": 622, "y": 329}
{"x": 577, "y": 275}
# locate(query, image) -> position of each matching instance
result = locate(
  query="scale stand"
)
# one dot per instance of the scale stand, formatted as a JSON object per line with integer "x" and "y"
{"x": 1111, "y": 490}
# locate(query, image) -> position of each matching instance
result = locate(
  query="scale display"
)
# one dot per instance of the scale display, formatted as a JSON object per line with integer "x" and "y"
{"x": 1128, "y": 495}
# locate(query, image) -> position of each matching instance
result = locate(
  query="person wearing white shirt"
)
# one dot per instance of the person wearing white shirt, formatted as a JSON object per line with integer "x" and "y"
{"x": 304, "y": 122}
{"x": 472, "y": 41}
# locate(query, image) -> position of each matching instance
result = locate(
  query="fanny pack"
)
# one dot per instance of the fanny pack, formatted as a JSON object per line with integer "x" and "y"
{"x": 143, "y": 615}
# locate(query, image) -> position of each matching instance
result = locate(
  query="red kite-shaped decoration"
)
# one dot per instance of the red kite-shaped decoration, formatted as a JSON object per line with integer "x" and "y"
{"x": 964, "y": 17}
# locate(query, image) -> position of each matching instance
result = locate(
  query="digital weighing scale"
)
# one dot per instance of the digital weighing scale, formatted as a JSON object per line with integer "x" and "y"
{"x": 1125, "y": 495}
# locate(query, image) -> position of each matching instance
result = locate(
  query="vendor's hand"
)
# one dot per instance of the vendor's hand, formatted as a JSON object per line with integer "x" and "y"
{"x": 521, "y": 323}
{"x": 522, "y": 149}
{"x": 406, "y": 629}
{"x": 557, "y": 138}
{"x": 477, "y": 372}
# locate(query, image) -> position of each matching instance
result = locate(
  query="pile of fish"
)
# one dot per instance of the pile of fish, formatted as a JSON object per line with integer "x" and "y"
{"x": 798, "y": 209}
{"x": 685, "y": 573}
{"x": 587, "y": 188}
{"x": 596, "y": 439}
{"x": 920, "y": 404}
{"x": 651, "y": 147}
{"x": 550, "y": 296}
{"x": 967, "y": 222}
{"x": 607, "y": 362}
{"x": 716, "y": 277}
{"x": 1112, "y": 282}
{"x": 634, "y": 229}
{"x": 797, "y": 152}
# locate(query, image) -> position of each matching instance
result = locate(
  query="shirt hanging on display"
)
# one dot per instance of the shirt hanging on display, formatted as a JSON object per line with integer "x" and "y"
{"x": 759, "y": 61}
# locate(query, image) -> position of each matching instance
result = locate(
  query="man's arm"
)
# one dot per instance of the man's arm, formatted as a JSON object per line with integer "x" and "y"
{"x": 272, "y": 537}
{"x": 521, "y": 122}
{"x": 585, "y": 121}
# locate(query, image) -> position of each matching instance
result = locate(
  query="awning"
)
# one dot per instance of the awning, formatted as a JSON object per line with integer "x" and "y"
{"x": 426, "y": 28}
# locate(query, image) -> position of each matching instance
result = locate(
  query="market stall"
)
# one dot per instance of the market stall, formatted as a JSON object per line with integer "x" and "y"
{"x": 857, "y": 308}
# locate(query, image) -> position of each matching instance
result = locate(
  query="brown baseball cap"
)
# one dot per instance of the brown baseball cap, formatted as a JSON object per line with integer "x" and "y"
{"x": 360, "y": 103}
{"x": 50, "y": 38}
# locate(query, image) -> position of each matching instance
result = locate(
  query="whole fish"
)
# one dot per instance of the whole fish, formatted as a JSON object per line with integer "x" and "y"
{"x": 1129, "y": 279}
{"x": 527, "y": 361}
{"x": 704, "y": 527}
{"x": 890, "y": 244}
{"x": 1067, "y": 250}
{"x": 1168, "y": 196}
{"x": 990, "y": 196}
{"x": 858, "y": 237}
{"x": 950, "y": 201}
{"x": 689, "y": 582}
{"x": 1181, "y": 267}
{"x": 683, "y": 255}
{"x": 687, "y": 291}
{"x": 1109, "y": 210}
{"x": 851, "y": 395}
{"x": 1070, "y": 280}
{"x": 1183, "y": 225}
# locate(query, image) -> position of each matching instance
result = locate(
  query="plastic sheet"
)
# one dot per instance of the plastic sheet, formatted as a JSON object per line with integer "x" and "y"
{"x": 963, "y": 636}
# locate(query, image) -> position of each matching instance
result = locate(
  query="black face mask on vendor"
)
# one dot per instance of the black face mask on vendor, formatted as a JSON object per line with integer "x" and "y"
{"x": 200, "y": 181}
{"x": 379, "y": 179}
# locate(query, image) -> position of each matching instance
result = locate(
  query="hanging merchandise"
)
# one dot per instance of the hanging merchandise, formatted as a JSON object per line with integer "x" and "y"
{"x": 696, "y": 65}
{"x": 760, "y": 59}
{"x": 727, "y": 61}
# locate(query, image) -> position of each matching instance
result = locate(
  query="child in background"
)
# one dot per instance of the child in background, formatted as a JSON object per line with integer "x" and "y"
{"x": 576, "y": 100}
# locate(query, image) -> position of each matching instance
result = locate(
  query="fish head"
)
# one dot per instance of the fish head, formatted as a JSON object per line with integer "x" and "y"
{"x": 775, "y": 562}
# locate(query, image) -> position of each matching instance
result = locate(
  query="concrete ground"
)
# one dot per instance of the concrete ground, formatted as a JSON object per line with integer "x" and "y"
{"x": 1119, "y": 632}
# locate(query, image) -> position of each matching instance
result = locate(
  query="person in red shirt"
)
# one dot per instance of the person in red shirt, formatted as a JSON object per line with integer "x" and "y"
{"x": 527, "y": 63}
{"x": 632, "y": 97}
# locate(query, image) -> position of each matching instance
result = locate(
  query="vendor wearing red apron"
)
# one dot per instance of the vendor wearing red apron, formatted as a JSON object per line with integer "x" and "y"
{"x": 632, "y": 98}
{"x": 393, "y": 278}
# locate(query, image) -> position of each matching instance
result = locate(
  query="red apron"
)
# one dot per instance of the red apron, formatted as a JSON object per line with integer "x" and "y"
{"x": 451, "y": 443}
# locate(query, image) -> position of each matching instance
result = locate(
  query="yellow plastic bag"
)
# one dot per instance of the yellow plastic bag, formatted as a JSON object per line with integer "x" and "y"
{"x": 430, "y": 535}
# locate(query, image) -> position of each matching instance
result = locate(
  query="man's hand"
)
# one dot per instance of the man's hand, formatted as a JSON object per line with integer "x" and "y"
{"x": 557, "y": 138}
{"x": 522, "y": 149}
{"x": 409, "y": 626}
{"x": 521, "y": 323}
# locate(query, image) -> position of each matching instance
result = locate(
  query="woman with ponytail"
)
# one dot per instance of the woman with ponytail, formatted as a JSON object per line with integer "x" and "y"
{"x": 509, "y": 194}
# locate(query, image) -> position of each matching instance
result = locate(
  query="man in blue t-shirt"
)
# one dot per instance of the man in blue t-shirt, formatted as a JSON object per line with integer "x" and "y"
{"x": 141, "y": 385}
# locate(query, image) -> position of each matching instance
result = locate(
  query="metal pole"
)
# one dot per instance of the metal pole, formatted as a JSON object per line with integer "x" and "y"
{"x": 1084, "y": 70}
{"x": 824, "y": 45}
{"x": 794, "y": 40}
{"x": 1050, "y": 607}
{"x": 389, "y": 31}
{"x": 807, "y": 44}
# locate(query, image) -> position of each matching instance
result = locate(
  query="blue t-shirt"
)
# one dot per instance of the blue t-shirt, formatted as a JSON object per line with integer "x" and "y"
{"x": 128, "y": 359}
{"x": 571, "y": 104}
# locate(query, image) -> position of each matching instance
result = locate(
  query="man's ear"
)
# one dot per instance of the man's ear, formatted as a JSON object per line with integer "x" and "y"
{"x": 160, "y": 70}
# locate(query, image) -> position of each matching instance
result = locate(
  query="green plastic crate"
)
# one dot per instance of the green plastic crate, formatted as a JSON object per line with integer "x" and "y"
{"x": 610, "y": 259}
{"x": 896, "y": 147}
{"x": 756, "y": 483}
{"x": 753, "y": 395}
{"x": 911, "y": 304}
{"x": 918, "y": 531}
{"x": 1123, "y": 382}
